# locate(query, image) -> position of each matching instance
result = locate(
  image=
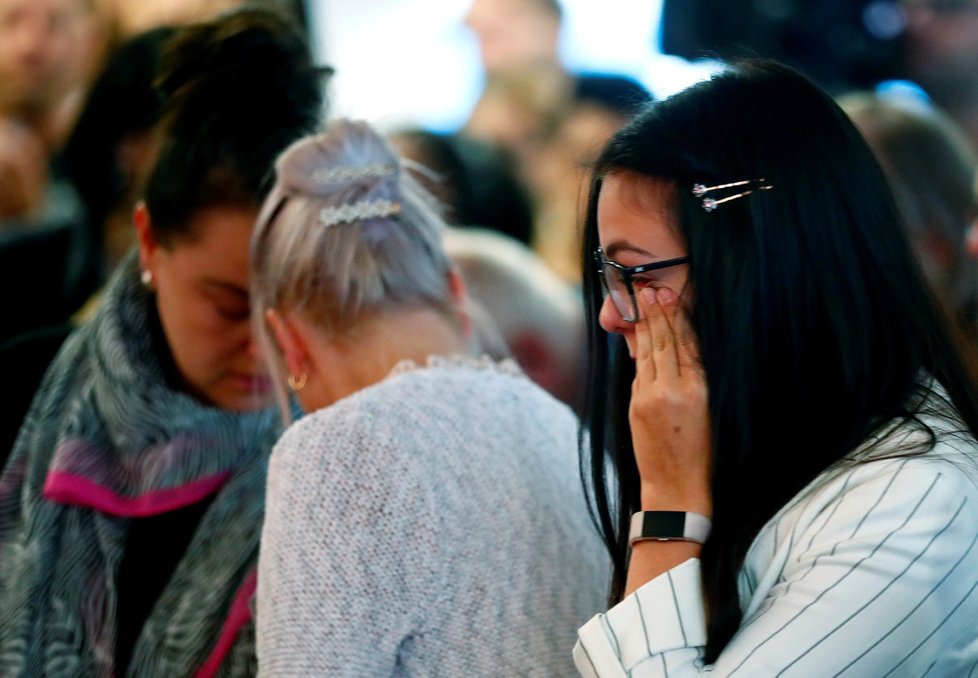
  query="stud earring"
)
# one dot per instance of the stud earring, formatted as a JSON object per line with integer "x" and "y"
{"x": 146, "y": 278}
{"x": 297, "y": 384}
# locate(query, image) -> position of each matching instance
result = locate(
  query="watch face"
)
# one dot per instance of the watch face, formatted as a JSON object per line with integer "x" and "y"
{"x": 663, "y": 524}
{"x": 668, "y": 526}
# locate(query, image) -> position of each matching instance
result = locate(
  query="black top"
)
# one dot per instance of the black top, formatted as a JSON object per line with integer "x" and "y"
{"x": 154, "y": 547}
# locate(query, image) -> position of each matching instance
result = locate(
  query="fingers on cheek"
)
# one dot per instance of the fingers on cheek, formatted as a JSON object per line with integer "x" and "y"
{"x": 646, "y": 302}
{"x": 667, "y": 297}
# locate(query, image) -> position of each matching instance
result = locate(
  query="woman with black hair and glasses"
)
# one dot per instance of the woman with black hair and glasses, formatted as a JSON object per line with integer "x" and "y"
{"x": 789, "y": 417}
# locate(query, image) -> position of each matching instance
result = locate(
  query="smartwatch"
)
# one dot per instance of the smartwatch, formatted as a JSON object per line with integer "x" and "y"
{"x": 668, "y": 526}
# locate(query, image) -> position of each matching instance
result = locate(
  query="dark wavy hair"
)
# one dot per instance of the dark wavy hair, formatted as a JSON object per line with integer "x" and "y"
{"x": 237, "y": 91}
{"x": 814, "y": 323}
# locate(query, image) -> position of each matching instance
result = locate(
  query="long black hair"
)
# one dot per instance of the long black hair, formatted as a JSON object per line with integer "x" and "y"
{"x": 815, "y": 326}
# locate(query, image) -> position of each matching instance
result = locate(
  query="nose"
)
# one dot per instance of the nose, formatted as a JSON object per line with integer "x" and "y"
{"x": 610, "y": 319}
{"x": 249, "y": 341}
{"x": 254, "y": 348}
{"x": 30, "y": 33}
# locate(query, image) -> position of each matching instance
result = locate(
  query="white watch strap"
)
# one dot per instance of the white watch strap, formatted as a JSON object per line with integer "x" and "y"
{"x": 669, "y": 526}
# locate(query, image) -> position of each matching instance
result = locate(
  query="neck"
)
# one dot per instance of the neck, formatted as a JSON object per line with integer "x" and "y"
{"x": 367, "y": 352}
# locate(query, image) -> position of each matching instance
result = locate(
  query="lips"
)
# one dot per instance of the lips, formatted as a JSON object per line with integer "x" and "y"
{"x": 253, "y": 383}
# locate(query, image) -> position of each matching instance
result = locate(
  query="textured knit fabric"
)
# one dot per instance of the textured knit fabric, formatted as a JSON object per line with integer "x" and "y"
{"x": 430, "y": 525}
{"x": 107, "y": 442}
{"x": 870, "y": 571}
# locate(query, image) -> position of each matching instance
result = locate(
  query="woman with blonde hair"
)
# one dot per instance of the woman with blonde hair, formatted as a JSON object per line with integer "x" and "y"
{"x": 426, "y": 514}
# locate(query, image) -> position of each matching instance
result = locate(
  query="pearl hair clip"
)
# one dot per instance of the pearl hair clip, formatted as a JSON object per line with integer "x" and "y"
{"x": 358, "y": 211}
{"x": 710, "y": 204}
{"x": 351, "y": 173}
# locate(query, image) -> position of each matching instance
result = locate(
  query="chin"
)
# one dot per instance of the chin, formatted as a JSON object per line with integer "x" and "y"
{"x": 246, "y": 404}
{"x": 243, "y": 400}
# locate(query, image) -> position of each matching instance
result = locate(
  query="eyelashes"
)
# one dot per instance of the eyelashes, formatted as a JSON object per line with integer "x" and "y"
{"x": 646, "y": 282}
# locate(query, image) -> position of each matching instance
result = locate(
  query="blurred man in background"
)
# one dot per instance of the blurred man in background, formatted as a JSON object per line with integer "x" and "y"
{"x": 942, "y": 56}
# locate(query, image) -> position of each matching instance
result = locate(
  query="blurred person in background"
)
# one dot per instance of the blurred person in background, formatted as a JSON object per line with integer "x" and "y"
{"x": 47, "y": 51}
{"x": 540, "y": 316}
{"x": 931, "y": 169}
{"x": 527, "y": 88}
{"x": 110, "y": 151}
{"x": 42, "y": 61}
{"x": 601, "y": 104}
{"x": 473, "y": 180}
{"x": 941, "y": 53}
{"x": 107, "y": 158}
{"x": 549, "y": 119}
{"x": 132, "y": 502}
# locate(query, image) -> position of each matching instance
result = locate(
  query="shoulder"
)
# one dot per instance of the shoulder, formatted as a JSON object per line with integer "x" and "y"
{"x": 434, "y": 407}
{"x": 337, "y": 439}
{"x": 465, "y": 388}
{"x": 901, "y": 505}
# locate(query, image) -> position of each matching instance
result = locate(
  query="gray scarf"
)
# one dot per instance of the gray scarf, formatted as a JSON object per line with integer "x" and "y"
{"x": 106, "y": 441}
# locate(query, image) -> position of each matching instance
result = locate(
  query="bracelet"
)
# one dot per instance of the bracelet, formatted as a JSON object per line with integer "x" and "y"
{"x": 669, "y": 526}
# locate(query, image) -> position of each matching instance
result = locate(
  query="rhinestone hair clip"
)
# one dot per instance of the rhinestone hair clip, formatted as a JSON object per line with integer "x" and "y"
{"x": 710, "y": 204}
{"x": 351, "y": 173}
{"x": 358, "y": 211}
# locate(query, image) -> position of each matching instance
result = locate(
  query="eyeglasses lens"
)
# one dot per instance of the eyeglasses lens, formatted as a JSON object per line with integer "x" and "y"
{"x": 617, "y": 289}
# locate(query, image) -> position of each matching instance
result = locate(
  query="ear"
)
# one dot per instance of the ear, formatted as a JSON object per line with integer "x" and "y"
{"x": 145, "y": 239}
{"x": 291, "y": 341}
{"x": 456, "y": 285}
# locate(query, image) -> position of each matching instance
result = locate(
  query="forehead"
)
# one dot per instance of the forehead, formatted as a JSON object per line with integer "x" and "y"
{"x": 637, "y": 212}
{"x": 219, "y": 245}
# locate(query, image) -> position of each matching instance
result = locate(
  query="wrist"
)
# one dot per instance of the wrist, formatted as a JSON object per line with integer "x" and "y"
{"x": 656, "y": 498}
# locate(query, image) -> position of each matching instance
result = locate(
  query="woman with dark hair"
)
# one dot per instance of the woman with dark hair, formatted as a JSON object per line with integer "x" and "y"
{"x": 131, "y": 505}
{"x": 787, "y": 413}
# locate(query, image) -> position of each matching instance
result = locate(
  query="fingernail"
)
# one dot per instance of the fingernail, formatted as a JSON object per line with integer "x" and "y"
{"x": 666, "y": 296}
{"x": 649, "y": 295}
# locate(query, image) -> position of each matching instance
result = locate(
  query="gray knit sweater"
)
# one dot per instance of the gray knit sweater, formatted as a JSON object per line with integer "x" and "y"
{"x": 430, "y": 525}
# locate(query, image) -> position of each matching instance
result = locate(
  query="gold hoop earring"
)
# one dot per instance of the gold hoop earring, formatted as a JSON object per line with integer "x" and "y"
{"x": 298, "y": 384}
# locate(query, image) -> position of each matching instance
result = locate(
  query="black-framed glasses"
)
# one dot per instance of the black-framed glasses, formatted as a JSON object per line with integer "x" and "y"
{"x": 617, "y": 281}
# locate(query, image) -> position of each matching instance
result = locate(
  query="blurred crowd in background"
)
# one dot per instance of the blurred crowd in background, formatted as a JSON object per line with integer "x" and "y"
{"x": 78, "y": 103}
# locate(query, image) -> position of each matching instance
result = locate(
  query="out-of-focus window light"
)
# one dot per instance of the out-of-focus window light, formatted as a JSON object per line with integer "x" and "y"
{"x": 413, "y": 62}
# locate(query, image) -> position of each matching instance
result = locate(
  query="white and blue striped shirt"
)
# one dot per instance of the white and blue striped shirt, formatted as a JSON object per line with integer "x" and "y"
{"x": 870, "y": 571}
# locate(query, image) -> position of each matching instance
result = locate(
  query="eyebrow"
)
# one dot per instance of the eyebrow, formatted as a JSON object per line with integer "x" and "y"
{"x": 619, "y": 246}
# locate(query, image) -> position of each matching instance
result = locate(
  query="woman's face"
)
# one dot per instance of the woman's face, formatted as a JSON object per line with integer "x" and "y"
{"x": 636, "y": 226}
{"x": 201, "y": 284}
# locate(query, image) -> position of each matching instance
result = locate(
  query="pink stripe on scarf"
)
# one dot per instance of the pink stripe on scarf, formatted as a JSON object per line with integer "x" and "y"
{"x": 238, "y": 616}
{"x": 68, "y": 488}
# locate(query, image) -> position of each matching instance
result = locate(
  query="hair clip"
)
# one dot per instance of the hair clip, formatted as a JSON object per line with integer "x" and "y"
{"x": 710, "y": 204}
{"x": 357, "y": 211}
{"x": 351, "y": 173}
